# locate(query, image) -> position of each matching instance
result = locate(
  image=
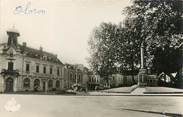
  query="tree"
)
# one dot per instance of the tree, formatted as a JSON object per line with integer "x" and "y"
{"x": 131, "y": 47}
{"x": 127, "y": 58}
{"x": 102, "y": 49}
{"x": 157, "y": 23}
{"x": 112, "y": 51}
{"x": 168, "y": 60}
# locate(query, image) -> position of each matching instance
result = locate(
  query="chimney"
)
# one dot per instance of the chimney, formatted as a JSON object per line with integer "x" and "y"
{"x": 24, "y": 44}
{"x": 12, "y": 37}
{"x": 41, "y": 48}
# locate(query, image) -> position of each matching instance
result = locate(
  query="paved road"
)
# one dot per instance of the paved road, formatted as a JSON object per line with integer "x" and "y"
{"x": 90, "y": 106}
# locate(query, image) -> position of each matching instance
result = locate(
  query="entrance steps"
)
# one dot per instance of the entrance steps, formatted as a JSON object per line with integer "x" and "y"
{"x": 138, "y": 91}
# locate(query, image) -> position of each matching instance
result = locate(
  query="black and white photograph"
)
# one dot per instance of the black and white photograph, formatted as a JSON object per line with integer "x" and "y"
{"x": 91, "y": 58}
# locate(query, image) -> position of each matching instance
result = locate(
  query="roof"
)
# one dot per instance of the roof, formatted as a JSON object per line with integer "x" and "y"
{"x": 34, "y": 53}
{"x": 73, "y": 67}
{"x": 39, "y": 54}
{"x": 13, "y": 29}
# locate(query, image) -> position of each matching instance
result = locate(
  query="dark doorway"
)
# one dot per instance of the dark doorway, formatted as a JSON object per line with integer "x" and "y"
{"x": 9, "y": 85}
{"x": 44, "y": 86}
{"x": 57, "y": 84}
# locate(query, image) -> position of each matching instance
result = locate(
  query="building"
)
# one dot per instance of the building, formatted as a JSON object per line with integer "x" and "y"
{"x": 117, "y": 80}
{"x": 94, "y": 81}
{"x": 26, "y": 69}
{"x": 77, "y": 75}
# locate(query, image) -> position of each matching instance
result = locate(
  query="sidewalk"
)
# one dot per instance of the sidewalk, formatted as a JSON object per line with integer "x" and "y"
{"x": 162, "y": 90}
{"x": 121, "y": 89}
{"x": 139, "y": 91}
{"x": 128, "y": 94}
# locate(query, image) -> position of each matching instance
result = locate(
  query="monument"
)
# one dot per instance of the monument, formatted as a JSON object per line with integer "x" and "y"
{"x": 142, "y": 76}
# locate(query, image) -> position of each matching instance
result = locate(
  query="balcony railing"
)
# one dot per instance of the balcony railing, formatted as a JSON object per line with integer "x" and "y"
{"x": 5, "y": 72}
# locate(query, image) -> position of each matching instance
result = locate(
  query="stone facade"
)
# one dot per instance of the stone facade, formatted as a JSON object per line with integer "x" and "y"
{"x": 76, "y": 75}
{"x": 27, "y": 69}
{"x": 94, "y": 81}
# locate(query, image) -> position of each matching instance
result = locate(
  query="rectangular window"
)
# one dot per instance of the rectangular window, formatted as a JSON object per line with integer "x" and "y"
{"x": 79, "y": 77}
{"x": 37, "y": 68}
{"x": 10, "y": 66}
{"x": 61, "y": 72}
{"x": 58, "y": 71}
{"x": 27, "y": 67}
{"x": 51, "y": 70}
{"x": 44, "y": 69}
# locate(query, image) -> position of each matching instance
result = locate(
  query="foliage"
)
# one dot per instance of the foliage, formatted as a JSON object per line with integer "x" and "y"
{"x": 167, "y": 60}
{"x": 159, "y": 25}
{"x": 102, "y": 48}
{"x": 156, "y": 23}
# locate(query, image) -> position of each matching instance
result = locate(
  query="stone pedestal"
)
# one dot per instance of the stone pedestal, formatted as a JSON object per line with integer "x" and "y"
{"x": 142, "y": 77}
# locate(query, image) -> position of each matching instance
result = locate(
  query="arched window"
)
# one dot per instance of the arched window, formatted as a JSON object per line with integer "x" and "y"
{"x": 57, "y": 84}
{"x": 71, "y": 77}
{"x": 26, "y": 83}
{"x": 90, "y": 79}
{"x": 80, "y": 78}
{"x": 75, "y": 76}
{"x": 36, "y": 83}
{"x": 50, "y": 83}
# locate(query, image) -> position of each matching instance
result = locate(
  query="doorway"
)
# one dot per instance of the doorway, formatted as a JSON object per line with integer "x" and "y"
{"x": 44, "y": 86}
{"x": 9, "y": 85}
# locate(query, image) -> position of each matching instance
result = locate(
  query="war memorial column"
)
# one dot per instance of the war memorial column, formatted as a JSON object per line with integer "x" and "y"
{"x": 142, "y": 72}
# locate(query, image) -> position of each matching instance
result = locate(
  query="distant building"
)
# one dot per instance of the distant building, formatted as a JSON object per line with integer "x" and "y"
{"x": 27, "y": 69}
{"x": 152, "y": 80}
{"x": 77, "y": 75}
{"x": 94, "y": 81}
{"x": 117, "y": 80}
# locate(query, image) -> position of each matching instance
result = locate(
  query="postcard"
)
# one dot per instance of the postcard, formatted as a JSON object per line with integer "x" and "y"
{"x": 91, "y": 58}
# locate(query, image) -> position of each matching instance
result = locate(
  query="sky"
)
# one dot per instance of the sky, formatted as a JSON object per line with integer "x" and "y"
{"x": 62, "y": 27}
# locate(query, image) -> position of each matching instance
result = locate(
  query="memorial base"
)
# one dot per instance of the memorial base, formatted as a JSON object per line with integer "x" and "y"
{"x": 142, "y": 78}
